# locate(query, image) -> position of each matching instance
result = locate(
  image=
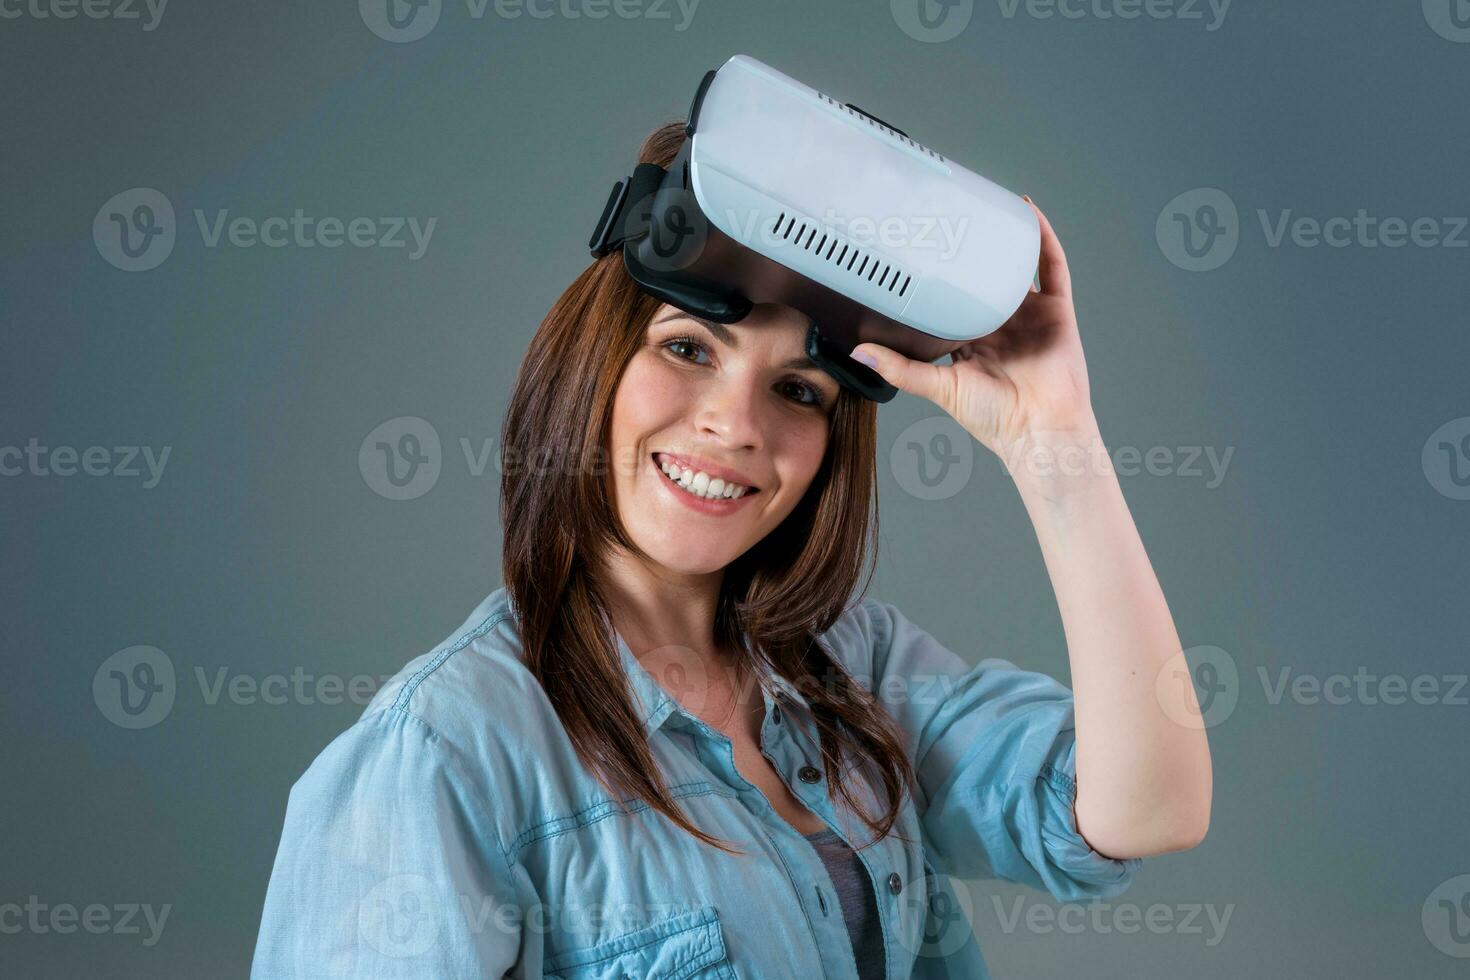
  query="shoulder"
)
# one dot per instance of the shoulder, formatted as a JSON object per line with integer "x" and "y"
{"x": 467, "y": 712}
{"x": 477, "y": 672}
{"x": 862, "y": 637}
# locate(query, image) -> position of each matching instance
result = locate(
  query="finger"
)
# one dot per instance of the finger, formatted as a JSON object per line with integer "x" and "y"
{"x": 1052, "y": 265}
{"x": 920, "y": 378}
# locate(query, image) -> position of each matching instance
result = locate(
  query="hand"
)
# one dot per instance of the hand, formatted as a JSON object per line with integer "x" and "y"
{"x": 1026, "y": 379}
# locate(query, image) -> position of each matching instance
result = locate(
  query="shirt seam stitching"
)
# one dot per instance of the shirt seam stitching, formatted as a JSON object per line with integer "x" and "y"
{"x": 534, "y": 834}
{"x": 702, "y": 926}
{"x": 411, "y": 686}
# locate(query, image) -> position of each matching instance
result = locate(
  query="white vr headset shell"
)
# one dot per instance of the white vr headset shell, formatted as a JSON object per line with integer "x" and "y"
{"x": 782, "y": 194}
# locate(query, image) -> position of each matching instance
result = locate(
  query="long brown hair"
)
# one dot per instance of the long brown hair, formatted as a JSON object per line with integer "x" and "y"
{"x": 780, "y": 595}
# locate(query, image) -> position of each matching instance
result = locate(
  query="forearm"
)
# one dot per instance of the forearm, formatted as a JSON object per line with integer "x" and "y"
{"x": 1143, "y": 778}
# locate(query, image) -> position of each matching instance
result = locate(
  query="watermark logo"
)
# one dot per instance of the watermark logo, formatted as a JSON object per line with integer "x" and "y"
{"x": 35, "y": 459}
{"x": 1211, "y": 13}
{"x": 91, "y": 9}
{"x": 933, "y": 458}
{"x": 898, "y": 234}
{"x": 1450, "y": 19}
{"x": 135, "y": 230}
{"x": 1446, "y": 459}
{"x": 400, "y": 21}
{"x": 302, "y": 230}
{"x": 938, "y": 915}
{"x": 135, "y": 688}
{"x": 1199, "y": 230}
{"x": 397, "y": 917}
{"x": 401, "y": 458}
{"x": 1054, "y": 455}
{"x": 1446, "y": 917}
{"x": 932, "y": 21}
{"x": 1364, "y": 687}
{"x": 676, "y": 234}
{"x": 1206, "y": 920}
{"x": 682, "y": 673}
{"x": 1218, "y": 687}
{"x": 1212, "y": 674}
{"x": 678, "y": 230}
{"x": 122, "y": 919}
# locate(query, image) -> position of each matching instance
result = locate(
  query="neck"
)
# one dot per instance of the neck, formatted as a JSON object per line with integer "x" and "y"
{"x": 653, "y": 607}
{"x": 668, "y": 621}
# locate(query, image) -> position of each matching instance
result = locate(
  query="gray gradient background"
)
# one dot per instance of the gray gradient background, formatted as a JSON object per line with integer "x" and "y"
{"x": 263, "y": 549}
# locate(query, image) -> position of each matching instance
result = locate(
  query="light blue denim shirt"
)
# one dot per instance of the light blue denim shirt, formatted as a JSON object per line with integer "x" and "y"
{"x": 453, "y": 832}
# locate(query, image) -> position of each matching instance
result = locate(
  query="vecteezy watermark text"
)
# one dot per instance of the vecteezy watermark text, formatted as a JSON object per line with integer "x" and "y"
{"x": 404, "y": 21}
{"x": 1218, "y": 685}
{"x": 1205, "y": 919}
{"x": 35, "y": 459}
{"x": 90, "y": 9}
{"x": 137, "y": 687}
{"x": 38, "y": 917}
{"x": 934, "y": 21}
{"x": 1200, "y": 230}
{"x": 932, "y": 459}
{"x": 136, "y": 230}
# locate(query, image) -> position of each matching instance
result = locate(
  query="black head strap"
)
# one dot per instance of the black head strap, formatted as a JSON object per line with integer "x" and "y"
{"x": 612, "y": 229}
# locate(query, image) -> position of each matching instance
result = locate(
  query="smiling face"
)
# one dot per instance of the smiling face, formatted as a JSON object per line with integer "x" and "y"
{"x": 718, "y": 431}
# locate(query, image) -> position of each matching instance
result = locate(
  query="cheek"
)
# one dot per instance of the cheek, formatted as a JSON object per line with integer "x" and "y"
{"x": 649, "y": 398}
{"x": 799, "y": 457}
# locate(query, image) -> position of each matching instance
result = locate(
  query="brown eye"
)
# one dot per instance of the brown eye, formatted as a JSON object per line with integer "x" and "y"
{"x": 802, "y": 392}
{"x": 678, "y": 346}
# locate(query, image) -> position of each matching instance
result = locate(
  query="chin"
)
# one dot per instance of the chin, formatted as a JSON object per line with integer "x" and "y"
{"x": 676, "y": 556}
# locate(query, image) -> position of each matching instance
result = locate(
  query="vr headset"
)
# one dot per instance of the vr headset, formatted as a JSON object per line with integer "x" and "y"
{"x": 781, "y": 194}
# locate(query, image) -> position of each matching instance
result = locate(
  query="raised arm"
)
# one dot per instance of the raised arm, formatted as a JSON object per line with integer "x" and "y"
{"x": 1143, "y": 771}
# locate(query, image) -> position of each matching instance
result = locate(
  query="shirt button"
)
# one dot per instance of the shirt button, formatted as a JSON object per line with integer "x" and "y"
{"x": 808, "y": 774}
{"x": 895, "y": 883}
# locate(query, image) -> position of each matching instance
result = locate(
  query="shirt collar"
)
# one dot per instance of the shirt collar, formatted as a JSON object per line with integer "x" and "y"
{"x": 654, "y": 705}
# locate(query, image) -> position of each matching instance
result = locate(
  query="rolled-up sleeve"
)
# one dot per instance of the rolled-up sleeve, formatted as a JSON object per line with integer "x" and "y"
{"x": 994, "y": 749}
{"x": 389, "y": 865}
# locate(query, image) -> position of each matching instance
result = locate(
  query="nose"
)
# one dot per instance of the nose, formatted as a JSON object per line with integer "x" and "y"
{"x": 729, "y": 411}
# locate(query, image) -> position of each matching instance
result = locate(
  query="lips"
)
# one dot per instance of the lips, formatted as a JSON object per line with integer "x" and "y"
{"x": 704, "y": 477}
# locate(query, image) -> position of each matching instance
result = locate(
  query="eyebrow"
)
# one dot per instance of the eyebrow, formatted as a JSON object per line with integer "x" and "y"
{"x": 727, "y": 337}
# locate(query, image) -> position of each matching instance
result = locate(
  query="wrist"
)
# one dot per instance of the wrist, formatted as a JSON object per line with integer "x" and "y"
{"x": 1060, "y": 461}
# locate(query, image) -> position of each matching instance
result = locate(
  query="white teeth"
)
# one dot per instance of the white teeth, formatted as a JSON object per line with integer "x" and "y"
{"x": 701, "y": 484}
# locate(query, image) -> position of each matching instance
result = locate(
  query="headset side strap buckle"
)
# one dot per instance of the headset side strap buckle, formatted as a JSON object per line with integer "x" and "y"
{"x": 612, "y": 213}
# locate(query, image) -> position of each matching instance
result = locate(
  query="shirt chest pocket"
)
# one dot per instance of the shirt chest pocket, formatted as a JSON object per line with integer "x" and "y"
{"x": 684, "y": 946}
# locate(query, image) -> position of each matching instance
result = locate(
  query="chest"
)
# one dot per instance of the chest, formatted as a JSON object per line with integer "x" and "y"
{"x": 757, "y": 770}
{"x": 632, "y": 894}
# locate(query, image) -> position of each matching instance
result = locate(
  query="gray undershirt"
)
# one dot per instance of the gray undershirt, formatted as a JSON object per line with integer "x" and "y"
{"x": 859, "y": 910}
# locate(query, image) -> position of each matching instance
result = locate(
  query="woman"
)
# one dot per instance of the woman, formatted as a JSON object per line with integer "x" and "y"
{"x": 675, "y": 744}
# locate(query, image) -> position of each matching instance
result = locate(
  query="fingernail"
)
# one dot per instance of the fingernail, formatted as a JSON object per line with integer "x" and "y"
{"x": 863, "y": 357}
{"x": 1027, "y": 198}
